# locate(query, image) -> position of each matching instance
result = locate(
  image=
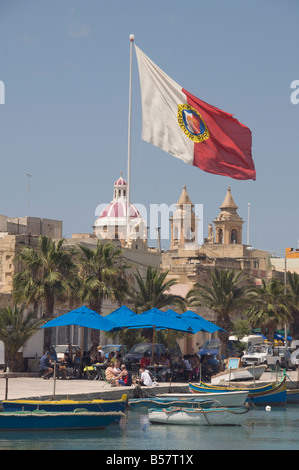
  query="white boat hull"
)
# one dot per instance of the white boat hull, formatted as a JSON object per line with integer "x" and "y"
{"x": 199, "y": 417}
{"x": 235, "y": 398}
{"x": 242, "y": 373}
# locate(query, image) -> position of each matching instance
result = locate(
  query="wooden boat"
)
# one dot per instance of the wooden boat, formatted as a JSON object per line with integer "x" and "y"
{"x": 45, "y": 421}
{"x": 226, "y": 416}
{"x": 275, "y": 394}
{"x": 235, "y": 398}
{"x": 207, "y": 388}
{"x": 293, "y": 395}
{"x": 65, "y": 405}
{"x": 187, "y": 400}
{"x": 241, "y": 373}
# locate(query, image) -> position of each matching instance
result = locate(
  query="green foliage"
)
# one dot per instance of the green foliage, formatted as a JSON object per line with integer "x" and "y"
{"x": 271, "y": 307}
{"x": 16, "y": 327}
{"x": 154, "y": 291}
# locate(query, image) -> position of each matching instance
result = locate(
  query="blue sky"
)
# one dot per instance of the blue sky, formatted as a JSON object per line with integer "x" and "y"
{"x": 65, "y": 66}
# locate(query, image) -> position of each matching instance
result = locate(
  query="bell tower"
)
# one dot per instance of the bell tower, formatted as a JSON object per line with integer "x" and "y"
{"x": 184, "y": 223}
{"x": 228, "y": 224}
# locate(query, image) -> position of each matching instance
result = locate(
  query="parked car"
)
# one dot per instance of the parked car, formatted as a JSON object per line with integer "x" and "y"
{"x": 211, "y": 347}
{"x": 135, "y": 354}
{"x": 117, "y": 348}
{"x": 285, "y": 358}
{"x": 261, "y": 354}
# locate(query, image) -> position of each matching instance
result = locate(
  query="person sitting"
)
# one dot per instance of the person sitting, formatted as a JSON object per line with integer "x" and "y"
{"x": 181, "y": 369}
{"x": 194, "y": 361}
{"x": 46, "y": 365}
{"x": 65, "y": 364}
{"x": 111, "y": 375}
{"x": 164, "y": 361}
{"x": 126, "y": 377}
{"x": 97, "y": 365}
{"x": 87, "y": 365}
{"x": 111, "y": 355}
{"x": 146, "y": 360}
{"x": 145, "y": 378}
{"x": 116, "y": 366}
{"x": 78, "y": 364}
{"x": 101, "y": 353}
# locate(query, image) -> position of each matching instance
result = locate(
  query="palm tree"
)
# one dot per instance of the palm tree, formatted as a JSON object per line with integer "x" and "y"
{"x": 227, "y": 293}
{"x": 44, "y": 276}
{"x": 271, "y": 307}
{"x": 101, "y": 274}
{"x": 100, "y": 270}
{"x": 16, "y": 327}
{"x": 293, "y": 283}
{"x": 154, "y": 291}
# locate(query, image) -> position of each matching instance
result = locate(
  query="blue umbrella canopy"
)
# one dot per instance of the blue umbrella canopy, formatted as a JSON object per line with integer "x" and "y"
{"x": 82, "y": 316}
{"x": 197, "y": 320}
{"x": 120, "y": 315}
{"x": 157, "y": 319}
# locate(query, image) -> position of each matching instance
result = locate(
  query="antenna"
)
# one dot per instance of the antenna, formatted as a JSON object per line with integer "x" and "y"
{"x": 28, "y": 189}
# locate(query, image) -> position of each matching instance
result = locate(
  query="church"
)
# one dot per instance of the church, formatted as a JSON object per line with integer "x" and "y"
{"x": 187, "y": 260}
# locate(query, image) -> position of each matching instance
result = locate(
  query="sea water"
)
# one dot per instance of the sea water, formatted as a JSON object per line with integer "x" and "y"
{"x": 277, "y": 429}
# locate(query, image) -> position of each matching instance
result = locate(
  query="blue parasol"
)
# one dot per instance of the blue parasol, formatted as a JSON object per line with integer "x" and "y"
{"x": 84, "y": 317}
{"x": 202, "y": 322}
{"x": 120, "y": 315}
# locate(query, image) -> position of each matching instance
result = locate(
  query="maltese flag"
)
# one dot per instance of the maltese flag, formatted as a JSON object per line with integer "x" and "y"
{"x": 190, "y": 129}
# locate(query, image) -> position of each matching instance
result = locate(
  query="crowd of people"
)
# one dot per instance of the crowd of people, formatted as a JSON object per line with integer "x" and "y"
{"x": 114, "y": 371}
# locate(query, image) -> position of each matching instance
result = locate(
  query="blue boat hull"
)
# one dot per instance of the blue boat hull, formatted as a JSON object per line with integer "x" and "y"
{"x": 43, "y": 421}
{"x": 275, "y": 395}
{"x": 278, "y": 398}
{"x": 293, "y": 396}
{"x": 64, "y": 405}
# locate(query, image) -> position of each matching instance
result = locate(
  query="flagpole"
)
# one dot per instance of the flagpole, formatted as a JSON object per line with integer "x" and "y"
{"x": 132, "y": 37}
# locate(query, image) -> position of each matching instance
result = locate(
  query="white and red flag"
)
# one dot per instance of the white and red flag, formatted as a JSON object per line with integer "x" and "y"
{"x": 190, "y": 129}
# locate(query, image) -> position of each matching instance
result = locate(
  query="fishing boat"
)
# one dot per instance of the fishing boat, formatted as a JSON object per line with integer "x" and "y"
{"x": 187, "y": 400}
{"x": 240, "y": 373}
{"x": 65, "y": 405}
{"x": 235, "y": 398}
{"x": 293, "y": 395}
{"x": 226, "y": 416}
{"x": 275, "y": 394}
{"x": 207, "y": 388}
{"x": 45, "y": 421}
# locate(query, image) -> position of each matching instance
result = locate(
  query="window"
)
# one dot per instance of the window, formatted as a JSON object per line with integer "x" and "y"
{"x": 233, "y": 236}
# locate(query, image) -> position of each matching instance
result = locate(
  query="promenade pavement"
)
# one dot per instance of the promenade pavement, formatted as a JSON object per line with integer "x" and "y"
{"x": 36, "y": 387}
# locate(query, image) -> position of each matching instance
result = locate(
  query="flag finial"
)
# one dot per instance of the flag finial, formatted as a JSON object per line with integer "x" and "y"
{"x": 132, "y": 37}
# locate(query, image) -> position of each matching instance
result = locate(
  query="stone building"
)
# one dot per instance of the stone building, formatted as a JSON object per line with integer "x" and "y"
{"x": 222, "y": 249}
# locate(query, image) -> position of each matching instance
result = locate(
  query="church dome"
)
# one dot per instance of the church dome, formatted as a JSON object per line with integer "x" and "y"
{"x": 120, "y": 182}
{"x": 112, "y": 221}
{"x": 118, "y": 209}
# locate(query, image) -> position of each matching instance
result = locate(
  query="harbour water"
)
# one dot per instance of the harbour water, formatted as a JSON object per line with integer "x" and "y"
{"x": 277, "y": 429}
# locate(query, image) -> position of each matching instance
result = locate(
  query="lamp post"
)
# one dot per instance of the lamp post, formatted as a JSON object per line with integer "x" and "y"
{"x": 9, "y": 330}
{"x": 284, "y": 255}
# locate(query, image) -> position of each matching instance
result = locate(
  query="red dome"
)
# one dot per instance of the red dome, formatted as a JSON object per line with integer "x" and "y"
{"x": 120, "y": 182}
{"x": 119, "y": 209}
